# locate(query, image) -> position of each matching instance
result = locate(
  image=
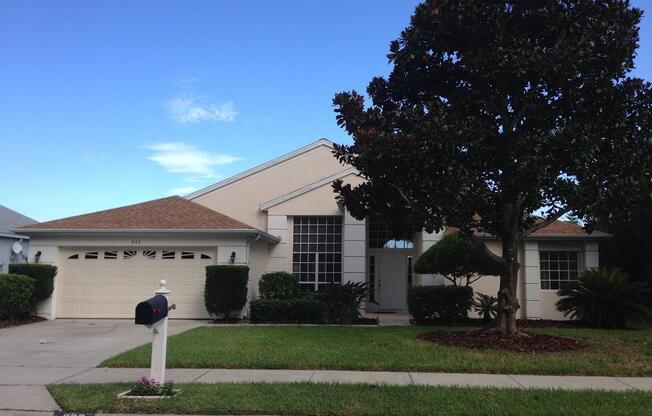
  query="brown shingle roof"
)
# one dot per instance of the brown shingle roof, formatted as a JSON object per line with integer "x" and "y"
{"x": 172, "y": 213}
{"x": 557, "y": 228}
{"x": 560, "y": 228}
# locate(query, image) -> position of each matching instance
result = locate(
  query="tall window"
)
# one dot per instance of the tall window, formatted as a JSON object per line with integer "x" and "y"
{"x": 558, "y": 268}
{"x": 380, "y": 235}
{"x": 317, "y": 251}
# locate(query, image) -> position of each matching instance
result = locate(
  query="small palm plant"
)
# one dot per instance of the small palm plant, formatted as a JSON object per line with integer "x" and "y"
{"x": 605, "y": 298}
{"x": 485, "y": 306}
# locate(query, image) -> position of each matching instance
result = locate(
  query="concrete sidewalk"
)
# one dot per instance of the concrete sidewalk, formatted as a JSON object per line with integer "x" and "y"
{"x": 114, "y": 375}
{"x": 32, "y": 356}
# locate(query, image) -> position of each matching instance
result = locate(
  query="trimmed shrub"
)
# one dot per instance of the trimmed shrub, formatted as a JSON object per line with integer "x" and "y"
{"x": 605, "y": 298}
{"x": 344, "y": 301}
{"x": 306, "y": 310}
{"x": 278, "y": 285}
{"x": 16, "y": 296}
{"x": 225, "y": 289}
{"x": 458, "y": 257}
{"x": 440, "y": 304}
{"x": 43, "y": 275}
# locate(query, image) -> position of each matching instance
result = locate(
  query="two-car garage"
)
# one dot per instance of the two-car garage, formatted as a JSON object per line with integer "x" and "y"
{"x": 110, "y": 260}
{"x": 107, "y": 282}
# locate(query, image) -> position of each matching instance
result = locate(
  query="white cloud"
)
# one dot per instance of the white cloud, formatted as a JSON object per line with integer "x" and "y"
{"x": 182, "y": 191}
{"x": 188, "y": 110}
{"x": 186, "y": 158}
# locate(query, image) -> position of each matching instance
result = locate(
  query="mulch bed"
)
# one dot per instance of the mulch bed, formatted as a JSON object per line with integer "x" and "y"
{"x": 523, "y": 342}
{"x": 15, "y": 322}
{"x": 534, "y": 323}
{"x": 361, "y": 321}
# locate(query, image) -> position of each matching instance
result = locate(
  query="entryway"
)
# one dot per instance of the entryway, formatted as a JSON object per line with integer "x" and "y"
{"x": 392, "y": 269}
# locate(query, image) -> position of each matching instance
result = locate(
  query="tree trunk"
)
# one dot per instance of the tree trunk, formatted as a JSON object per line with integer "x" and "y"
{"x": 507, "y": 299}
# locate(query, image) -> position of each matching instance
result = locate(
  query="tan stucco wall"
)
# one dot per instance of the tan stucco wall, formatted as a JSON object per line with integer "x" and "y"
{"x": 242, "y": 198}
{"x": 319, "y": 201}
{"x": 258, "y": 255}
{"x": 548, "y": 310}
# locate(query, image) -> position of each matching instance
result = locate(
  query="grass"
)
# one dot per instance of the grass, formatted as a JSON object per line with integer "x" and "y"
{"x": 624, "y": 353}
{"x": 339, "y": 399}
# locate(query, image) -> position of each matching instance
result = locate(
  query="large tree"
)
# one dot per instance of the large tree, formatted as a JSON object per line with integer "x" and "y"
{"x": 497, "y": 110}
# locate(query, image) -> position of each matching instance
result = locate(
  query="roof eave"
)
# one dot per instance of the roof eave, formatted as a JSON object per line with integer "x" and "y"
{"x": 555, "y": 237}
{"x": 14, "y": 236}
{"x": 568, "y": 236}
{"x": 122, "y": 231}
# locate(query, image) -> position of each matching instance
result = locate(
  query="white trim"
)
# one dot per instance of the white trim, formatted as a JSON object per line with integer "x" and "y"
{"x": 261, "y": 167}
{"x": 14, "y": 236}
{"x": 297, "y": 192}
{"x": 68, "y": 231}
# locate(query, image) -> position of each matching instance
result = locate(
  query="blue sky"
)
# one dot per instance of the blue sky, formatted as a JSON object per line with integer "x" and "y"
{"x": 107, "y": 103}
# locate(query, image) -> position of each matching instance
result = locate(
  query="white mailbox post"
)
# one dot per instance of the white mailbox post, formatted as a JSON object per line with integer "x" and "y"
{"x": 153, "y": 313}
{"x": 160, "y": 340}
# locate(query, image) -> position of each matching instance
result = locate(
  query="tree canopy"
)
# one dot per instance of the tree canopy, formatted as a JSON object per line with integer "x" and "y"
{"x": 495, "y": 110}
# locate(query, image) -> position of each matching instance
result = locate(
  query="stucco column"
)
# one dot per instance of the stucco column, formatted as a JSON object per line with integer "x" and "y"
{"x": 277, "y": 226}
{"x": 353, "y": 250}
{"x": 532, "y": 280}
{"x": 591, "y": 255}
{"x": 428, "y": 240}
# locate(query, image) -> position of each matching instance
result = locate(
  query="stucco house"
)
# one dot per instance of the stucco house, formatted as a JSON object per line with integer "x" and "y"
{"x": 10, "y": 220}
{"x": 278, "y": 216}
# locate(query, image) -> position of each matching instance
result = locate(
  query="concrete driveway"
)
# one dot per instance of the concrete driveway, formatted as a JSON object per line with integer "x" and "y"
{"x": 32, "y": 356}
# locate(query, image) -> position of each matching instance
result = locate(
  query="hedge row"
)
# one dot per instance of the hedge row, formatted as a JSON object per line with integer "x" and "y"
{"x": 43, "y": 275}
{"x": 440, "y": 304}
{"x": 304, "y": 310}
{"x": 16, "y": 296}
{"x": 23, "y": 288}
{"x": 225, "y": 288}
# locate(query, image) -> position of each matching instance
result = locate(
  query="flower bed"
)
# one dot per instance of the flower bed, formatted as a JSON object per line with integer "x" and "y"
{"x": 150, "y": 388}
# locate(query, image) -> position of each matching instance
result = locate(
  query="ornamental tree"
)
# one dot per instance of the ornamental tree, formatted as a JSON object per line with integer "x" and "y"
{"x": 459, "y": 258}
{"x": 497, "y": 110}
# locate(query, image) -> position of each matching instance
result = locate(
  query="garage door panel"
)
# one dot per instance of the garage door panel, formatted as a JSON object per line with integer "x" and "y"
{"x": 111, "y": 287}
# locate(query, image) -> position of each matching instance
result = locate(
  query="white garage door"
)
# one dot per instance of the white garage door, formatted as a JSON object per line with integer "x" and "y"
{"x": 109, "y": 282}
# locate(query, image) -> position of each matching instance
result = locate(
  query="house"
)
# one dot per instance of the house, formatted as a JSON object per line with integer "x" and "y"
{"x": 278, "y": 216}
{"x": 13, "y": 247}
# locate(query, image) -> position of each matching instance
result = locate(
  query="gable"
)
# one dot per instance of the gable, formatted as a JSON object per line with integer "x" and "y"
{"x": 241, "y": 196}
{"x": 317, "y": 200}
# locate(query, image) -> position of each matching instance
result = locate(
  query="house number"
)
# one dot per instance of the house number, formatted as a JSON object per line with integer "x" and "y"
{"x": 135, "y": 241}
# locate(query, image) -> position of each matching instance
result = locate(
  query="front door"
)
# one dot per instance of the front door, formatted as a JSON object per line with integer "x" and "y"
{"x": 391, "y": 268}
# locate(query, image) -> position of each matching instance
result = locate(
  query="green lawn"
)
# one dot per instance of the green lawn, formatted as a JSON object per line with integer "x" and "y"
{"x": 392, "y": 349}
{"x": 338, "y": 399}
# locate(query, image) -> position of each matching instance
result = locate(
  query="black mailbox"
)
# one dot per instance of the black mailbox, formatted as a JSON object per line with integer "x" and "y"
{"x": 152, "y": 310}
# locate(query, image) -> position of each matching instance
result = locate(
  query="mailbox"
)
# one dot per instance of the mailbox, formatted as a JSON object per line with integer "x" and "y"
{"x": 152, "y": 310}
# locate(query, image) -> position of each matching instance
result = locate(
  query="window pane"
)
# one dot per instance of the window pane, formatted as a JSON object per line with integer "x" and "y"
{"x": 558, "y": 268}
{"x": 315, "y": 255}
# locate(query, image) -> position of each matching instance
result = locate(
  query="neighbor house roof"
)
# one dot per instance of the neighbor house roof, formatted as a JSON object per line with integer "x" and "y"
{"x": 556, "y": 229}
{"x": 10, "y": 219}
{"x": 172, "y": 213}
